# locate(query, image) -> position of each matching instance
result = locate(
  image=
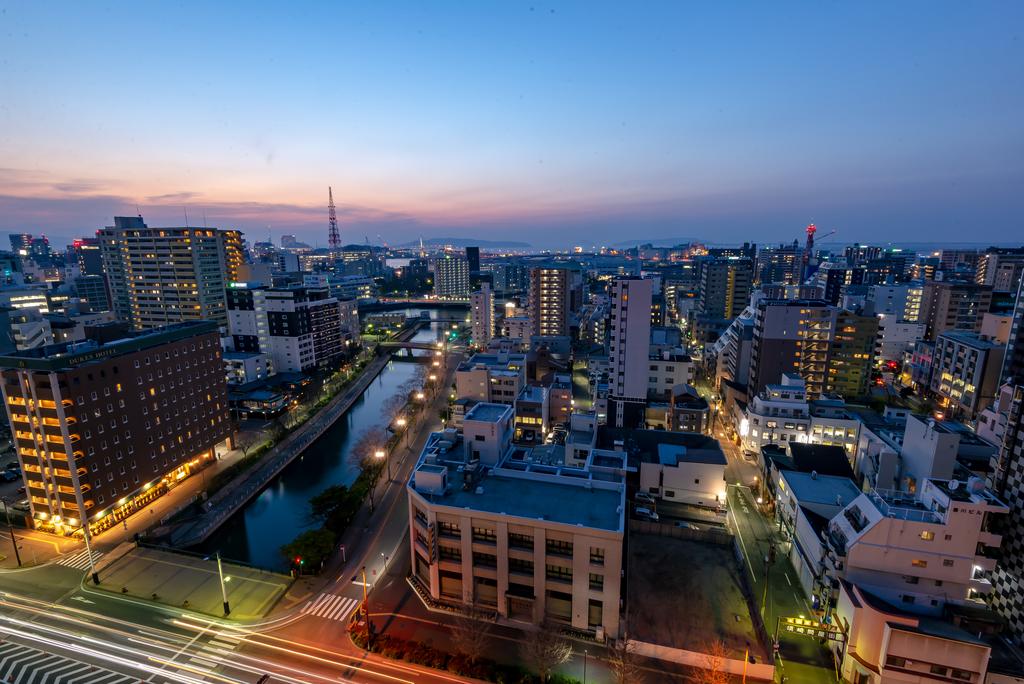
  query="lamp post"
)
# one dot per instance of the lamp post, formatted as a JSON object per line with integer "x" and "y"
{"x": 584, "y": 666}
{"x": 223, "y": 588}
{"x": 14, "y": 540}
{"x": 401, "y": 422}
{"x": 88, "y": 551}
{"x": 381, "y": 454}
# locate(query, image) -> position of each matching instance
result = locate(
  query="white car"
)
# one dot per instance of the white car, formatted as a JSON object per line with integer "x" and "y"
{"x": 644, "y": 497}
{"x": 646, "y": 514}
{"x": 687, "y": 526}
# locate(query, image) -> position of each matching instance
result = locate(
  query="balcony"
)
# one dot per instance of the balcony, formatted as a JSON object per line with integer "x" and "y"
{"x": 984, "y": 564}
{"x": 981, "y": 585}
{"x": 990, "y": 539}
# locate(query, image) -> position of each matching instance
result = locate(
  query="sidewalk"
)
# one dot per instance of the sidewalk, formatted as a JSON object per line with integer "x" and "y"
{"x": 34, "y": 547}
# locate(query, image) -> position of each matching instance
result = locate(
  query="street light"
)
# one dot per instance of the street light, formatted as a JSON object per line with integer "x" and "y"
{"x": 223, "y": 588}
{"x": 420, "y": 396}
{"x": 381, "y": 454}
{"x": 14, "y": 541}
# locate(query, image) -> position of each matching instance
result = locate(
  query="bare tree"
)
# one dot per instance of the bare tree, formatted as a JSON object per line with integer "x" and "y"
{"x": 471, "y": 632}
{"x": 714, "y": 667}
{"x": 623, "y": 663}
{"x": 247, "y": 440}
{"x": 545, "y": 649}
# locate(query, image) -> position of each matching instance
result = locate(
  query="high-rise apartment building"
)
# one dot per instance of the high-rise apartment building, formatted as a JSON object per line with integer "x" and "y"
{"x": 833, "y": 279}
{"x": 954, "y": 306}
{"x": 724, "y": 286}
{"x": 779, "y": 264}
{"x": 1000, "y": 268}
{"x": 1013, "y": 361}
{"x": 473, "y": 258}
{"x": 556, "y": 299}
{"x": 965, "y": 371}
{"x": 88, "y": 255}
{"x": 830, "y": 348}
{"x": 159, "y": 276}
{"x": 101, "y": 430}
{"x": 629, "y": 351}
{"x": 482, "y": 315}
{"x": 451, "y": 276}
{"x": 299, "y": 328}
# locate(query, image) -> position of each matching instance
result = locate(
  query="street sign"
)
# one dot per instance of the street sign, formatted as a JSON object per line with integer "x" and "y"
{"x": 810, "y": 628}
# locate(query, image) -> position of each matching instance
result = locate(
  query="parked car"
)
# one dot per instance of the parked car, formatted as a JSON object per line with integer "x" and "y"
{"x": 644, "y": 497}
{"x": 646, "y": 514}
{"x": 682, "y": 524}
{"x": 12, "y": 465}
{"x": 10, "y": 476}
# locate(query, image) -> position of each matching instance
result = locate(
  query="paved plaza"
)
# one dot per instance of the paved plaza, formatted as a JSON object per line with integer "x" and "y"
{"x": 187, "y": 581}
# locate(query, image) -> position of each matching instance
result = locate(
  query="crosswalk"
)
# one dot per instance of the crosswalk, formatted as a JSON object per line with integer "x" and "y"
{"x": 331, "y": 607}
{"x": 80, "y": 560}
{"x": 221, "y": 645}
{"x": 25, "y": 664}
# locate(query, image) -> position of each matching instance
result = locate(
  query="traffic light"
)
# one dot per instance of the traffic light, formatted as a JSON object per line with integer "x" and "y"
{"x": 298, "y": 560}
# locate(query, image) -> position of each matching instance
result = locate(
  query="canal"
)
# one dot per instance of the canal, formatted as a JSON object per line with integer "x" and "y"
{"x": 255, "y": 534}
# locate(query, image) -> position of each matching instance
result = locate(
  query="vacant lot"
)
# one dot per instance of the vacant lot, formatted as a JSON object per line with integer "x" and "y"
{"x": 686, "y": 594}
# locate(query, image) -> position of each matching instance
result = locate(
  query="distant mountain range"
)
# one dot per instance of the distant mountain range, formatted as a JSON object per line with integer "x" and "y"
{"x": 465, "y": 242}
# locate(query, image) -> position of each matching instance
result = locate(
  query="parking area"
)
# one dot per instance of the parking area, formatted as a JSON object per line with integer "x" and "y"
{"x": 686, "y": 594}
{"x": 183, "y": 580}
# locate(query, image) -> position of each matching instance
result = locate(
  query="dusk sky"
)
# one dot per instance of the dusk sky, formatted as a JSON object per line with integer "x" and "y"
{"x": 549, "y": 123}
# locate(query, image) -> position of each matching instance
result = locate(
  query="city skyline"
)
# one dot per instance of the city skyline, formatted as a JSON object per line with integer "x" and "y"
{"x": 546, "y": 124}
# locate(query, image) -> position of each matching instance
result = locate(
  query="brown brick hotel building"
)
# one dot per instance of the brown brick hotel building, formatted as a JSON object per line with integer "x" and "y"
{"x": 101, "y": 430}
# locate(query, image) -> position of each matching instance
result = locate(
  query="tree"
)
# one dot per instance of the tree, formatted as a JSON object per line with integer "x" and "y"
{"x": 545, "y": 649}
{"x": 365, "y": 449}
{"x": 312, "y": 546}
{"x": 623, "y": 663}
{"x": 247, "y": 440}
{"x": 470, "y": 633}
{"x": 714, "y": 667}
{"x": 324, "y": 504}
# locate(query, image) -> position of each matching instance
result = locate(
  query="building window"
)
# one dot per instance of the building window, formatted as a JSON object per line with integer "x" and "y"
{"x": 596, "y": 581}
{"x": 927, "y": 535}
{"x": 947, "y": 562}
{"x": 520, "y": 541}
{"x": 448, "y": 553}
{"x": 485, "y": 560}
{"x": 918, "y": 563}
{"x": 558, "y": 573}
{"x": 556, "y": 547}
{"x": 596, "y": 555}
{"x": 485, "y": 535}
{"x": 520, "y": 566}
{"x": 895, "y": 661}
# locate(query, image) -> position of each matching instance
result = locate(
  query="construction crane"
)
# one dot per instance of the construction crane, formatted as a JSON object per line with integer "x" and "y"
{"x": 333, "y": 237}
{"x": 809, "y": 250}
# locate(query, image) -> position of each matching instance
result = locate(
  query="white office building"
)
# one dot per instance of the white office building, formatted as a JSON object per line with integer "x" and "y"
{"x": 482, "y": 315}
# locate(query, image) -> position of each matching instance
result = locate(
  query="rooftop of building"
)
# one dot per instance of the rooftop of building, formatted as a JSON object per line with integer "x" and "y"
{"x": 930, "y": 626}
{"x": 823, "y": 459}
{"x": 534, "y": 491}
{"x": 495, "y": 362}
{"x": 813, "y": 487}
{"x": 486, "y": 412}
{"x": 643, "y": 445}
{"x": 241, "y": 356}
{"x": 533, "y": 393}
{"x": 71, "y": 354}
{"x": 674, "y": 454}
{"x": 970, "y": 339}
